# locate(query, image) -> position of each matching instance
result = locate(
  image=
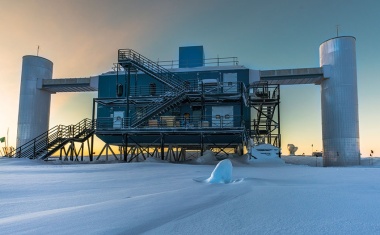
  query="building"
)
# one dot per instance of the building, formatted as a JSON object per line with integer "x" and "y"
{"x": 167, "y": 108}
{"x": 202, "y": 104}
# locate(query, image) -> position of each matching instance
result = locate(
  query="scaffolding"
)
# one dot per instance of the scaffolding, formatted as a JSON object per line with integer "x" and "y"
{"x": 264, "y": 99}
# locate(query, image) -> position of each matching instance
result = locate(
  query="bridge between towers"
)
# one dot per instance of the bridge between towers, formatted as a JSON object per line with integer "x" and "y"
{"x": 278, "y": 76}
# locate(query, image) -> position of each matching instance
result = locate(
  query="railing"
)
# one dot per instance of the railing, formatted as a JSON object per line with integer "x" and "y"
{"x": 263, "y": 90}
{"x": 180, "y": 122}
{"x": 193, "y": 86}
{"x": 206, "y": 62}
{"x": 111, "y": 123}
{"x": 51, "y": 138}
{"x": 245, "y": 94}
{"x": 179, "y": 87}
{"x": 260, "y": 90}
{"x": 220, "y": 87}
{"x": 276, "y": 93}
{"x": 161, "y": 73}
{"x": 155, "y": 107}
{"x": 273, "y": 139}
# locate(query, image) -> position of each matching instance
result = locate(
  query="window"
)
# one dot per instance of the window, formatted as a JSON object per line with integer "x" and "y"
{"x": 152, "y": 89}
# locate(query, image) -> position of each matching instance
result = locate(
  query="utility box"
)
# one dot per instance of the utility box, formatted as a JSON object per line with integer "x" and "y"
{"x": 191, "y": 56}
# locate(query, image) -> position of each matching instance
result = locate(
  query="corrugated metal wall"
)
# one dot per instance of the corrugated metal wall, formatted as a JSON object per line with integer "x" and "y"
{"x": 34, "y": 105}
{"x": 339, "y": 97}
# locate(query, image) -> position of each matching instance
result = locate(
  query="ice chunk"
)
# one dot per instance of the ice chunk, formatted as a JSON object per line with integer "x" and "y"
{"x": 222, "y": 174}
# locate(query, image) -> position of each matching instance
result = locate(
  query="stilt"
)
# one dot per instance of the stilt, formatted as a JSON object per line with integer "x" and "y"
{"x": 162, "y": 147}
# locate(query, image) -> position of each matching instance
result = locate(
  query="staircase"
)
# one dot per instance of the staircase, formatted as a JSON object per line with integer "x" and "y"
{"x": 262, "y": 123}
{"x": 157, "y": 108}
{"x": 264, "y": 98}
{"x": 46, "y": 144}
{"x": 129, "y": 58}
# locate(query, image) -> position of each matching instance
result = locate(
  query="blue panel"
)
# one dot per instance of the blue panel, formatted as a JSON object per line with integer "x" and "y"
{"x": 190, "y": 57}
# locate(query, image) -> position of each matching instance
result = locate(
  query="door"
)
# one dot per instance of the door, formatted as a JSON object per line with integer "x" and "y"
{"x": 230, "y": 83}
{"x": 118, "y": 117}
{"x": 222, "y": 116}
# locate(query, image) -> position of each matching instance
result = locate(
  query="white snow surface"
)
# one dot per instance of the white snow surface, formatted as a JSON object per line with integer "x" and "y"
{"x": 156, "y": 197}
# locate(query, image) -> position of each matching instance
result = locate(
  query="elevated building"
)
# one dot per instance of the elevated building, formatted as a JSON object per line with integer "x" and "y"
{"x": 145, "y": 105}
{"x": 167, "y": 108}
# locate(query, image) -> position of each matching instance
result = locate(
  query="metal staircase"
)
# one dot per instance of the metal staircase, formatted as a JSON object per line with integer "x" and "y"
{"x": 130, "y": 58}
{"x": 162, "y": 105}
{"x": 46, "y": 144}
{"x": 265, "y": 99}
{"x": 177, "y": 93}
{"x": 262, "y": 123}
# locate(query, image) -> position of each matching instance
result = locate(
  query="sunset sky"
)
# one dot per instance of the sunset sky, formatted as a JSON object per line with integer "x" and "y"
{"x": 81, "y": 38}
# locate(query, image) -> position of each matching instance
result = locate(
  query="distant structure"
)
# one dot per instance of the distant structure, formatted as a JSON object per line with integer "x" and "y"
{"x": 193, "y": 103}
{"x": 292, "y": 149}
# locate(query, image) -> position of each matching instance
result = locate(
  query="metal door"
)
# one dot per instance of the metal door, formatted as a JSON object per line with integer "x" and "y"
{"x": 230, "y": 83}
{"x": 222, "y": 116}
{"x": 118, "y": 117}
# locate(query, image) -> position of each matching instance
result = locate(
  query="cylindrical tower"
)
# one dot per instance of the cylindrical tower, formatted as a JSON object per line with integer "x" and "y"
{"x": 340, "y": 120}
{"x": 34, "y": 106}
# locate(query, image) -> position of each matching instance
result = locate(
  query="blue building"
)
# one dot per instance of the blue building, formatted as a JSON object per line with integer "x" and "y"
{"x": 162, "y": 109}
{"x": 196, "y": 104}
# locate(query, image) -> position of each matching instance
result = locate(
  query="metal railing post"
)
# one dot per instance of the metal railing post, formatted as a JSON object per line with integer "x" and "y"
{"x": 34, "y": 148}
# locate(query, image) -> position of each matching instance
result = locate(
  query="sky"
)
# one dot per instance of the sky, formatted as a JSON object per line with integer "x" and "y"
{"x": 82, "y": 37}
{"x": 263, "y": 196}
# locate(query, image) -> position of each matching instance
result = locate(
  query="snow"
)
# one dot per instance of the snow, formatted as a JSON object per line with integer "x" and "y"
{"x": 222, "y": 174}
{"x": 208, "y": 158}
{"x": 156, "y": 197}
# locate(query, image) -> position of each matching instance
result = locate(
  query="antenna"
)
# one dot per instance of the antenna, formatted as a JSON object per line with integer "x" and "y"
{"x": 337, "y": 30}
{"x": 38, "y": 49}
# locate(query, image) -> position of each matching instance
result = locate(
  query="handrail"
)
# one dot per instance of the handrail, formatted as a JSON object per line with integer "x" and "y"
{"x": 218, "y": 61}
{"x": 180, "y": 122}
{"x": 245, "y": 94}
{"x": 194, "y": 86}
{"x": 170, "y": 97}
{"x": 155, "y": 106}
{"x": 161, "y": 73}
{"x": 57, "y": 134}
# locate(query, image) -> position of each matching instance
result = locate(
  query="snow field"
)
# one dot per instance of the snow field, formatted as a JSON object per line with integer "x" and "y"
{"x": 162, "y": 198}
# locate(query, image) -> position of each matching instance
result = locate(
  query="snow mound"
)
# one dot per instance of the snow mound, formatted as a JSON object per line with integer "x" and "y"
{"x": 242, "y": 160}
{"x": 222, "y": 174}
{"x": 155, "y": 160}
{"x": 208, "y": 158}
